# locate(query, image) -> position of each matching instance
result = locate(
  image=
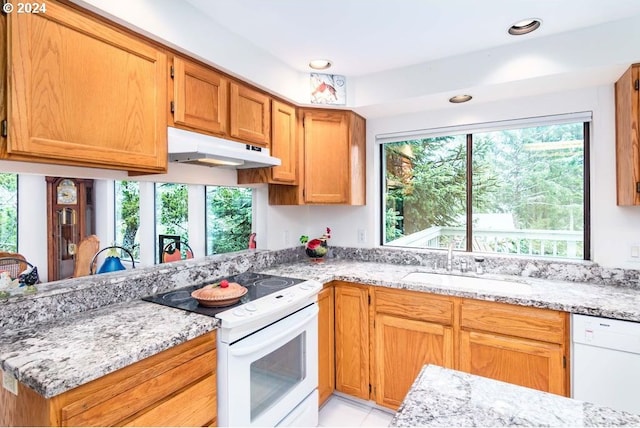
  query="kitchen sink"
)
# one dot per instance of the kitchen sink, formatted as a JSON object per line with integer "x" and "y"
{"x": 470, "y": 283}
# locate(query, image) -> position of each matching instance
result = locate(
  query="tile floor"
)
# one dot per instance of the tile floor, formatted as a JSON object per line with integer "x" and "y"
{"x": 342, "y": 412}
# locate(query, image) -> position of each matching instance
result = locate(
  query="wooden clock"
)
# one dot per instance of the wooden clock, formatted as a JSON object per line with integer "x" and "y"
{"x": 70, "y": 218}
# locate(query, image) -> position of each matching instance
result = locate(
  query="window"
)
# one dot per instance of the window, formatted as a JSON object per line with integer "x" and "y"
{"x": 229, "y": 218}
{"x": 9, "y": 212}
{"x": 127, "y": 216}
{"x": 172, "y": 211}
{"x": 512, "y": 191}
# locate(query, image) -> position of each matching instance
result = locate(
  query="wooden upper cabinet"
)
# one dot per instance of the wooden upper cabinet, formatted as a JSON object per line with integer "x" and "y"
{"x": 250, "y": 115}
{"x": 200, "y": 97}
{"x": 83, "y": 92}
{"x": 628, "y": 137}
{"x": 284, "y": 146}
{"x": 333, "y": 162}
{"x": 326, "y": 154}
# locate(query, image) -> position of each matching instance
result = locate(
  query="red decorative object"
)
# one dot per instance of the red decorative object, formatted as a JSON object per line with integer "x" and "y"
{"x": 316, "y": 248}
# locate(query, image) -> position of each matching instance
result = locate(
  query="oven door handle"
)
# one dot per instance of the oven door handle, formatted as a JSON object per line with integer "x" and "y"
{"x": 247, "y": 350}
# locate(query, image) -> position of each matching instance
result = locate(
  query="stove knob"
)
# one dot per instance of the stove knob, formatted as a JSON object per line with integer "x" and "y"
{"x": 251, "y": 307}
{"x": 239, "y": 312}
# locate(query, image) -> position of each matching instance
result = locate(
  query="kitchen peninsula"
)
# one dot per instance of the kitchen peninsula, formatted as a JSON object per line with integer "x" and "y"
{"x": 76, "y": 331}
{"x": 443, "y": 397}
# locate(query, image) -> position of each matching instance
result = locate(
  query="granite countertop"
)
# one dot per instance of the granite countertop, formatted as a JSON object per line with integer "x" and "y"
{"x": 445, "y": 397}
{"x": 580, "y": 298}
{"x": 56, "y": 357}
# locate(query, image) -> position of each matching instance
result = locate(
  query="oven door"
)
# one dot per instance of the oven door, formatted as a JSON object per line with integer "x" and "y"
{"x": 270, "y": 373}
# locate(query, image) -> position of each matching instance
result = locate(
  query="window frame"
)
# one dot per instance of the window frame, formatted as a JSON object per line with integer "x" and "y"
{"x": 17, "y": 212}
{"x": 469, "y": 131}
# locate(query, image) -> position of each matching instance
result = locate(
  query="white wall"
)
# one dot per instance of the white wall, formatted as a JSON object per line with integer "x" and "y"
{"x": 32, "y": 225}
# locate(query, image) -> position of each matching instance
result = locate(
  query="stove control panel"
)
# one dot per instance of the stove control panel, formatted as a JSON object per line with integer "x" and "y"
{"x": 278, "y": 304}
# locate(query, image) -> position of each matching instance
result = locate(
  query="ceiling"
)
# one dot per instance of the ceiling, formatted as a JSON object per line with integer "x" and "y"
{"x": 398, "y": 56}
{"x": 362, "y": 37}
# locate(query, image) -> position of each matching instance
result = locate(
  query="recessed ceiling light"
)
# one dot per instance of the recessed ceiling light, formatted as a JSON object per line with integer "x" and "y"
{"x": 460, "y": 99}
{"x": 525, "y": 26}
{"x": 320, "y": 64}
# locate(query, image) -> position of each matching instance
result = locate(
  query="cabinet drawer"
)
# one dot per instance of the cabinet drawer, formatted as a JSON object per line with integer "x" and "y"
{"x": 107, "y": 407}
{"x": 533, "y": 323}
{"x": 193, "y": 406}
{"x": 414, "y": 304}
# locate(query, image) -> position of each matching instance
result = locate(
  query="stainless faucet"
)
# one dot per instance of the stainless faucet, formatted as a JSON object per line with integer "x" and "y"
{"x": 450, "y": 256}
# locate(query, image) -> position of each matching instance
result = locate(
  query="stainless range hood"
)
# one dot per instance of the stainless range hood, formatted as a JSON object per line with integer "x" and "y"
{"x": 199, "y": 149}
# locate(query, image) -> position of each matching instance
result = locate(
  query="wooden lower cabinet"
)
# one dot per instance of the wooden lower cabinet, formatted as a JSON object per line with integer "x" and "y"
{"x": 352, "y": 339}
{"x": 326, "y": 347}
{"x": 402, "y": 347}
{"x": 381, "y": 359}
{"x": 524, "y": 362}
{"x": 176, "y": 387}
{"x": 411, "y": 329}
{"x": 520, "y": 345}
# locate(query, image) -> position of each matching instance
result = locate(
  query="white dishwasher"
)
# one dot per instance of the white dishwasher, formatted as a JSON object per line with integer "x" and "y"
{"x": 606, "y": 362}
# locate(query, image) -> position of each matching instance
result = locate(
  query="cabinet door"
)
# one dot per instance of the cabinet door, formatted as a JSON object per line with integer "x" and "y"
{"x": 84, "y": 93}
{"x": 524, "y": 362}
{"x": 326, "y": 158}
{"x": 628, "y": 137}
{"x": 250, "y": 115}
{"x": 200, "y": 97}
{"x": 180, "y": 382}
{"x": 402, "y": 347}
{"x": 352, "y": 339}
{"x": 283, "y": 143}
{"x": 326, "y": 350}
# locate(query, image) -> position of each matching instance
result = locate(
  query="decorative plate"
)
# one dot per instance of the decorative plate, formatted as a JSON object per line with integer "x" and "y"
{"x": 229, "y": 298}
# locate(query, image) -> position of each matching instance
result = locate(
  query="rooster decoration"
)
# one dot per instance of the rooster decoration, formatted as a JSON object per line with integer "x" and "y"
{"x": 316, "y": 248}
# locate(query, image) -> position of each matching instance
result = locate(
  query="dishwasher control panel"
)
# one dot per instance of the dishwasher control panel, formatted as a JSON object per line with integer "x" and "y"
{"x": 606, "y": 333}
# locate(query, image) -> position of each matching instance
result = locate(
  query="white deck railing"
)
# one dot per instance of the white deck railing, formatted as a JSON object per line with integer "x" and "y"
{"x": 556, "y": 243}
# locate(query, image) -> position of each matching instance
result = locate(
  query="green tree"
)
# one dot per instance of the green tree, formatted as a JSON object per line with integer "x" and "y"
{"x": 128, "y": 194}
{"x": 174, "y": 210}
{"x": 8, "y": 212}
{"x": 229, "y": 215}
{"x": 540, "y": 180}
{"x": 436, "y": 194}
{"x": 540, "y": 176}
{"x": 534, "y": 174}
{"x": 433, "y": 186}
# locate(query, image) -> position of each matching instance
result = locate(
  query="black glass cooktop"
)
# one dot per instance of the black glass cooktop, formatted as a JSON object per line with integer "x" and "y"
{"x": 258, "y": 285}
